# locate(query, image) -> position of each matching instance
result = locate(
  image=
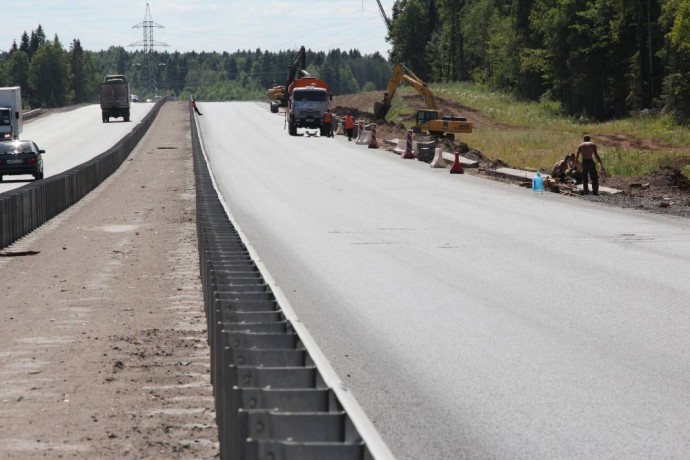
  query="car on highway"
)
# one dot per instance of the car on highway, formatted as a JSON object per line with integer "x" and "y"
{"x": 21, "y": 157}
{"x": 134, "y": 98}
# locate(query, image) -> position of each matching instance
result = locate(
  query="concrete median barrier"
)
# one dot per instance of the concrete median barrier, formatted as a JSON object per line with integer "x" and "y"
{"x": 276, "y": 395}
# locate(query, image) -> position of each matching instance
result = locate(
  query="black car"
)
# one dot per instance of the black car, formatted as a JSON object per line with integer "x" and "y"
{"x": 21, "y": 157}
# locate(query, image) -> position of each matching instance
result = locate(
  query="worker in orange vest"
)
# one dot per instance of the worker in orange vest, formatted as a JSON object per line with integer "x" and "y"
{"x": 349, "y": 125}
{"x": 328, "y": 122}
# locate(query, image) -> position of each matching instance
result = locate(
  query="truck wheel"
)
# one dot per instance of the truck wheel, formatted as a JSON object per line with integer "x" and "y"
{"x": 292, "y": 131}
{"x": 126, "y": 116}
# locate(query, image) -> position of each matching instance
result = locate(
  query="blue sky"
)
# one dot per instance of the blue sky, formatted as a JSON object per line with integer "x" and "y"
{"x": 204, "y": 25}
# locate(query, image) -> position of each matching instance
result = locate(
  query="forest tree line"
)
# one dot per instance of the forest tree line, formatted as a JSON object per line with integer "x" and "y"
{"x": 52, "y": 76}
{"x": 600, "y": 59}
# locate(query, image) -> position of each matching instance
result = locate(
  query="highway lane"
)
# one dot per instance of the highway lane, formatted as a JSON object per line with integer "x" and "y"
{"x": 72, "y": 137}
{"x": 472, "y": 319}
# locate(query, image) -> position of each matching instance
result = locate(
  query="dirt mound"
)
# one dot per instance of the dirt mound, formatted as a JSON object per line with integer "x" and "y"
{"x": 362, "y": 106}
{"x": 666, "y": 180}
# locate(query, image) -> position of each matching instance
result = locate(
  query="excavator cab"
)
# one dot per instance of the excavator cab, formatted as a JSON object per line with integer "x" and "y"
{"x": 426, "y": 115}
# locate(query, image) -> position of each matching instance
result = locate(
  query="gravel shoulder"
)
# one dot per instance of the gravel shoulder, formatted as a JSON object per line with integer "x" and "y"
{"x": 103, "y": 349}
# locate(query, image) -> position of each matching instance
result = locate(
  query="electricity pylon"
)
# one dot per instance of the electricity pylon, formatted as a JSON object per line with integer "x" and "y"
{"x": 148, "y": 43}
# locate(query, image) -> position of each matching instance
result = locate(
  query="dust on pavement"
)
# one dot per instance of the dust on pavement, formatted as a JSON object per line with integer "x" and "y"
{"x": 103, "y": 350}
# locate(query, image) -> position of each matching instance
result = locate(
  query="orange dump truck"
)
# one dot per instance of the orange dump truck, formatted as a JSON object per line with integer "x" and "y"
{"x": 308, "y": 102}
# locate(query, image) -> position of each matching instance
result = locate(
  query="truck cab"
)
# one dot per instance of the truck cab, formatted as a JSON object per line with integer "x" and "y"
{"x": 309, "y": 100}
{"x": 10, "y": 113}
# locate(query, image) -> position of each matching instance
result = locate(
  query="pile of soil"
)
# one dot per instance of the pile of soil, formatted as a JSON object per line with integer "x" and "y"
{"x": 664, "y": 191}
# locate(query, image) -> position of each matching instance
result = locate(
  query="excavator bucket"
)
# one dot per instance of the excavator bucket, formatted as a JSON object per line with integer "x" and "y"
{"x": 381, "y": 110}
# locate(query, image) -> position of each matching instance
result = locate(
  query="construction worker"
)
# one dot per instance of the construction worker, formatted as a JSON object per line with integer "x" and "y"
{"x": 588, "y": 150}
{"x": 349, "y": 125}
{"x": 195, "y": 107}
{"x": 567, "y": 168}
{"x": 328, "y": 122}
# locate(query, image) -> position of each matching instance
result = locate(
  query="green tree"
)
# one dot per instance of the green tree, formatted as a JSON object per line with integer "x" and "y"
{"x": 675, "y": 19}
{"x": 18, "y": 71}
{"x": 4, "y": 74}
{"x": 79, "y": 75}
{"x": 37, "y": 39}
{"x": 49, "y": 75}
{"x": 411, "y": 29}
{"x": 583, "y": 55}
{"x": 24, "y": 44}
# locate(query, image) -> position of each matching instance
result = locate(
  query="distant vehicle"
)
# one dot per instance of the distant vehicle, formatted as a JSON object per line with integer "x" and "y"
{"x": 10, "y": 113}
{"x": 134, "y": 98}
{"x": 21, "y": 157}
{"x": 115, "y": 98}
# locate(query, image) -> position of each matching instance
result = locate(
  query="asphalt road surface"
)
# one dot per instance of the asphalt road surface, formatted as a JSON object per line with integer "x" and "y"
{"x": 472, "y": 319}
{"x": 73, "y": 137}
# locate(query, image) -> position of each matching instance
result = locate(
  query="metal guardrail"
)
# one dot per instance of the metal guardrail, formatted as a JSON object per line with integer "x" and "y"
{"x": 276, "y": 395}
{"x": 26, "y": 208}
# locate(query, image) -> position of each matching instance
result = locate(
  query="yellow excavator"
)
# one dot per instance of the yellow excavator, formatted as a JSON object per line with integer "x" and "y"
{"x": 427, "y": 120}
{"x": 276, "y": 95}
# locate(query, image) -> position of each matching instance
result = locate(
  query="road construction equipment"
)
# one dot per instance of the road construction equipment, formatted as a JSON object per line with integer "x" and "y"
{"x": 384, "y": 15}
{"x": 427, "y": 120}
{"x": 306, "y": 97}
{"x": 276, "y": 95}
{"x": 279, "y": 95}
{"x": 309, "y": 100}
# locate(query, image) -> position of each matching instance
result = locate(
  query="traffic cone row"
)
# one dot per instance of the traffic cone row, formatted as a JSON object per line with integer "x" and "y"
{"x": 408, "y": 153}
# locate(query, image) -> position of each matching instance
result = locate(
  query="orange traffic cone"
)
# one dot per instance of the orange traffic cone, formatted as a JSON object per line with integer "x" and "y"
{"x": 409, "y": 151}
{"x": 457, "y": 167}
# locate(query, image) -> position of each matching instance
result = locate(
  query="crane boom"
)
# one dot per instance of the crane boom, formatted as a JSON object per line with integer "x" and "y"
{"x": 383, "y": 14}
{"x": 296, "y": 69}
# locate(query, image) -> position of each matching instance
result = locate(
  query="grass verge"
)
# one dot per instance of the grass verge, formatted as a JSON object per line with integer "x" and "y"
{"x": 535, "y": 135}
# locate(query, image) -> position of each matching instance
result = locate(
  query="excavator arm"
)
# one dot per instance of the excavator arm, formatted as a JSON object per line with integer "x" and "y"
{"x": 403, "y": 74}
{"x": 296, "y": 69}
